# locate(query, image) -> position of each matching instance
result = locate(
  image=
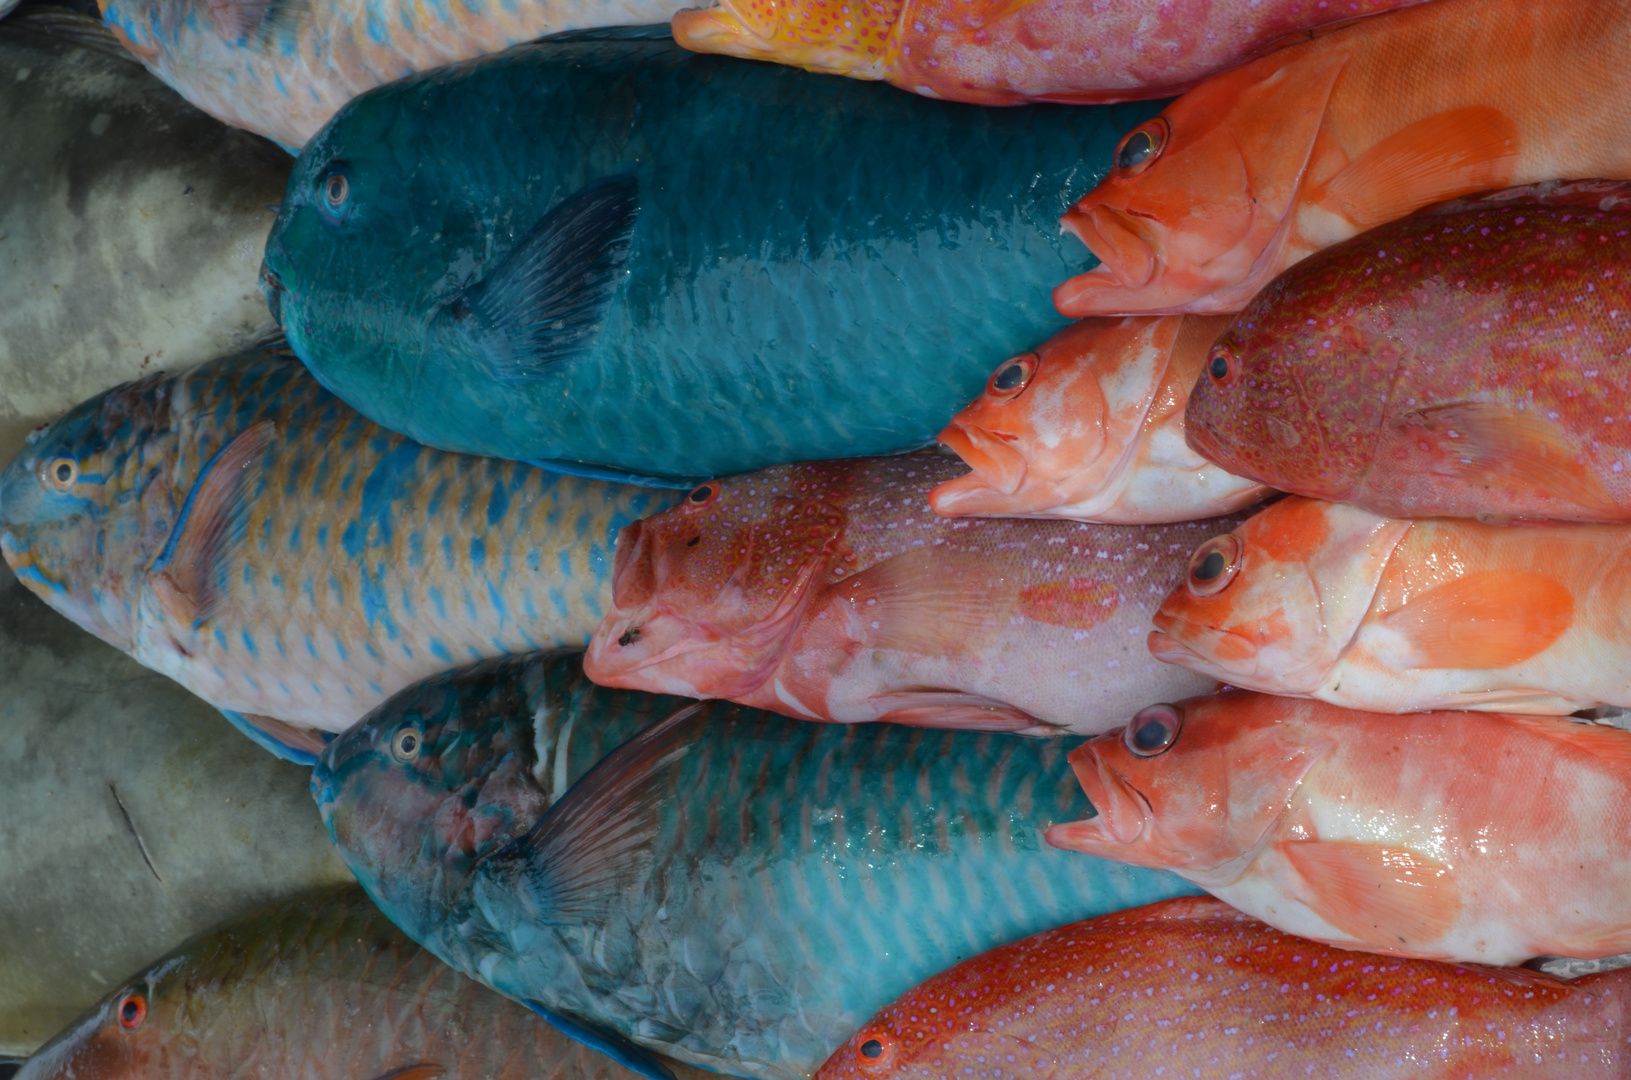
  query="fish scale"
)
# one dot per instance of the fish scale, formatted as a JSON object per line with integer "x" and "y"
{"x": 708, "y": 935}
{"x": 366, "y": 562}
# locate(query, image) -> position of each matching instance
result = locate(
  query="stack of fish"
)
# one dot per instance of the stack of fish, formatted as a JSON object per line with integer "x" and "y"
{"x": 584, "y": 533}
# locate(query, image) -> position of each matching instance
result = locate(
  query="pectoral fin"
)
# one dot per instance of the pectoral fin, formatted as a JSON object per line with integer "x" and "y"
{"x": 1449, "y": 154}
{"x": 1487, "y": 619}
{"x": 1389, "y": 897}
{"x": 954, "y": 709}
{"x": 544, "y": 302}
{"x": 423, "y": 1070}
{"x": 299, "y": 745}
{"x": 209, "y": 528}
{"x": 925, "y": 603}
{"x": 621, "y": 1050}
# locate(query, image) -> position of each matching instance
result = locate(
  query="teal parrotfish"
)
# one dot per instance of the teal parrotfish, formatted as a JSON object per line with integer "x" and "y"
{"x": 731, "y": 888}
{"x": 241, "y": 530}
{"x": 609, "y": 253}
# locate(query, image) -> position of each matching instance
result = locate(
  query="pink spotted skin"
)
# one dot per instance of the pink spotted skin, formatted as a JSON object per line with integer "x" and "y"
{"x": 1473, "y": 360}
{"x": 831, "y": 591}
{"x": 1192, "y": 989}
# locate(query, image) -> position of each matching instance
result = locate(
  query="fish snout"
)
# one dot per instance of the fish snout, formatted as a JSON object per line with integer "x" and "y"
{"x": 1121, "y": 812}
{"x": 1123, "y": 249}
{"x": 1218, "y": 653}
{"x": 999, "y": 471}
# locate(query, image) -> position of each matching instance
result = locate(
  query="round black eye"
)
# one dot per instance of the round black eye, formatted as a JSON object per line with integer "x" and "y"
{"x": 1214, "y": 565}
{"x": 1012, "y": 377}
{"x": 702, "y": 493}
{"x": 63, "y": 472}
{"x": 336, "y": 189}
{"x": 132, "y": 1011}
{"x": 406, "y": 745}
{"x": 1154, "y": 730}
{"x": 1141, "y": 147}
{"x": 1007, "y": 377}
{"x": 1218, "y": 366}
{"x": 872, "y": 1048}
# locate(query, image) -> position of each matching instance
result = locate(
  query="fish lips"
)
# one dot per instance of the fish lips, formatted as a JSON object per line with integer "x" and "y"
{"x": 1228, "y": 654}
{"x": 1123, "y": 814}
{"x": 1123, "y": 248}
{"x": 999, "y": 470}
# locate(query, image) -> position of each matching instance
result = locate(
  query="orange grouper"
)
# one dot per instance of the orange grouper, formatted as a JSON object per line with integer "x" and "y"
{"x": 1475, "y": 837}
{"x": 1473, "y": 360}
{"x": 1089, "y": 426}
{"x": 1005, "y": 52}
{"x": 1264, "y": 165}
{"x": 829, "y": 591}
{"x": 1329, "y": 601}
{"x": 1192, "y": 988}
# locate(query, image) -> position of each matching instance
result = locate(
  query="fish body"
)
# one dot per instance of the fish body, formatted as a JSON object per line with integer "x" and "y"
{"x": 132, "y": 223}
{"x": 1325, "y": 600}
{"x": 1006, "y": 53}
{"x": 241, "y": 530}
{"x": 1194, "y": 988}
{"x": 283, "y": 69}
{"x": 1259, "y": 167}
{"x": 1476, "y": 837}
{"x": 1089, "y": 426}
{"x": 829, "y": 591}
{"x": 1467, "y": 361}
{"x": 321, "y": 986}
{"x": 570, "y": 280}
{"x": 731, "y": 888}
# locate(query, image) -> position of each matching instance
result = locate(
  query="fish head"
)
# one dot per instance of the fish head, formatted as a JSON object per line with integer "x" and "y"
{"x": 706, "y": 595}
{"x": 88, "y": 504}
{"x": 139, "y": 1029}
{"x": 1057, "y": 427}
{"x": 1275, "y": 603}
{"x": 839, "y": 37}
{"x": 912, "y": 1038}
{"x": 1197, "y": 787}
{"x": 427, "y": 785}
{"x": 1197, "y": 197}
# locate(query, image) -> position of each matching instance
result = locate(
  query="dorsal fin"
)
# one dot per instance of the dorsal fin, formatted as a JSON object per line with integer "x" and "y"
{"x": 209, "y": 527}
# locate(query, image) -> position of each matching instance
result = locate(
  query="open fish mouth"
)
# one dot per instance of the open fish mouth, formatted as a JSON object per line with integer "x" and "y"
{"x": 997, "y": 465}
{"x": 1124, "y": 252}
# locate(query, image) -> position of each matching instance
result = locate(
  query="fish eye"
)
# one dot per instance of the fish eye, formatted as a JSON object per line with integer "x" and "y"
{"x": 1011, "y": 379}
{"x": 407, "y": 744}
{"x": 334, "y": 189}
{"x": 1217, "y": 365}
{"x": 703, "y": 494}
{"x": 1141, "y": 146}
{"x": 876, "y": 1047}
{"x": 62, "y": 473}
{"x": 1214, "y": 565}
{"x": 132, "y": 1011}
{"x": 1153, "y": 730}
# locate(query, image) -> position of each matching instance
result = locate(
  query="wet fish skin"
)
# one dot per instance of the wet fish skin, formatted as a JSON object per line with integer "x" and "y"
{"x": 569, "y": 280}
{"x": 1325, "y": 600}
{"x": 1194, "y": 988}
{"x": 283, "y": 69}
{"x": 324, "y": 565}
{"x": 1089, "y": 426}
{"x": 1473, "y": 837}
{"x": 1259, "y": 167}
{"x": 830, "y": 591}
{"x": 681, "y": 894}
{"x": 321, "y": 986}
{"x": 133, "y": 223}
{"x": 1426, "y": 381}
{"x": 1009, "y": 53}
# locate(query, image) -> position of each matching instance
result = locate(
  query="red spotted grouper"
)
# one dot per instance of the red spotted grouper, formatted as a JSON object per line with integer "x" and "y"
{"x": 240, "y": 529}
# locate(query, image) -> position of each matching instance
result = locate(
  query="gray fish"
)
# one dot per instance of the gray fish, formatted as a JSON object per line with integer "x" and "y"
{"x": 131, "y": 224}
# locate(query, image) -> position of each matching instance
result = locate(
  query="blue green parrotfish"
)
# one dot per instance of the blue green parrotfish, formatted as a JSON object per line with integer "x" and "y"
{"x": 608, "y": 253}
{"x": 728, "y": 887}
{"x": 240, "y": 529}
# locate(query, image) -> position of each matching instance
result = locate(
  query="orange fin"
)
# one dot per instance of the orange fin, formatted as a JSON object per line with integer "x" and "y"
{"x": 1476, "y": 440}
{"x": 1485, "y": 619}
{"x": 1449, "y": 154}
{"x": 955, "y": 709}
{"x": 211, "y": 525}
{"x": 1607, "y": 744}
{"x": 1388, "y": 897}
{"x": 927, "y": 603}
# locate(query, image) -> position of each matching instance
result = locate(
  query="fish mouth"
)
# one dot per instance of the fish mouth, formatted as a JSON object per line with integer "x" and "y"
{"x": 1124, "y": 251}
{"x": 1226, "y": 652}
{"x": 1123, "y": 813}
{"x": 999, "y": 472}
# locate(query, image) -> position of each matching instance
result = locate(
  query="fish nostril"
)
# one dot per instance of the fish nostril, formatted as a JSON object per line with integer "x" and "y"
{"x": 630, "y": 636}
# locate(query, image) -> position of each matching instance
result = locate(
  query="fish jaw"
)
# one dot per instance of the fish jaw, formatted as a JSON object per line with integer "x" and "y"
{"x": 1126, "y": 252}
{"x": 1122, "y": 816}
{"x": 729, "y": 31}
{"x": 999, "y": 474}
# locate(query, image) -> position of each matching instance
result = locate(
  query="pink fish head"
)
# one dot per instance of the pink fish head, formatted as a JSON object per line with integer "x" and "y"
{"x": 1193, "y": 209}
{"x": 1196, "y": 787}
{"x": 706, "y": 594}
{"x": 1273, "y": 605}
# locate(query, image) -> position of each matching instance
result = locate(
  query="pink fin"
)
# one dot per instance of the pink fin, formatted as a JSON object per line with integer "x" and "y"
{"x": 954, "y": 709}
{"x": 1486, "y": 619}
{"x": 1611, "y": 745}
{"x": 1386, "y": 897}
{"x": 929, "y": 603}
{"x": 1440, "y": 157}
{"x": 295, "y": 738}
{"x": 211, "y": 526}
{"x": 1501, "y": 445}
